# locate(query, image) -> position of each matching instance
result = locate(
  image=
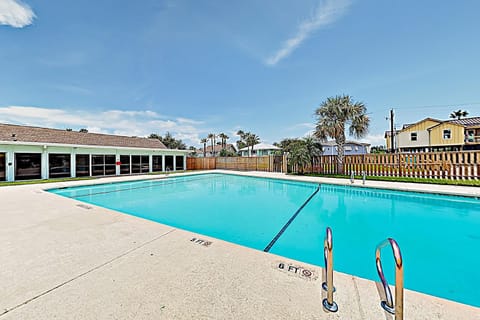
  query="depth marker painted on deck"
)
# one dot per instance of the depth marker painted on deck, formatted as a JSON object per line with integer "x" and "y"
{"x": 279, "y": 234}
{"x": 204, "y": 243}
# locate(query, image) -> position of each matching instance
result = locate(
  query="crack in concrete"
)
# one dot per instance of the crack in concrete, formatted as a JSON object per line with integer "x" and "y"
{"x": 357, "y": 298}
{"x": 5, "y": 311}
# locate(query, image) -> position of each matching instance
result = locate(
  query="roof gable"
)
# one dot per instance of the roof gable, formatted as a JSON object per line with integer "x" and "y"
{"x": 421, "y": 125}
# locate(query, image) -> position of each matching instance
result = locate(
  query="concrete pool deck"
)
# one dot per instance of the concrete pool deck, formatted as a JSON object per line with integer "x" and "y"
{"x": 64, "y": 259}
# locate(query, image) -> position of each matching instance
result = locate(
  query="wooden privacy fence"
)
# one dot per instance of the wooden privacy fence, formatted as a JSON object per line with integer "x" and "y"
{"x": 436, "y": 165}
{"x": 264, "y": 163}
{"x": 444, "y": 165}
{"x": 200, "y": 163}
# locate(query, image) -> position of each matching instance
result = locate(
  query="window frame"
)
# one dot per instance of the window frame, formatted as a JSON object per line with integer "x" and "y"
{"x": 414, "y": 136}
{"x": 33, "y": 176}
{"x": 66, "y": 167}
{"x": 449, "y": 134}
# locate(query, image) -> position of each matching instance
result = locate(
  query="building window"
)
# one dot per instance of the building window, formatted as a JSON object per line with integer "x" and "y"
{"x": 103, "y": 165}
{"x": 156, "y": 163}
{"x": 179, "y": 162}
{"x": 413, "y": 136}
{"x": 28, "y": 166}
{"x": 348, "y": 148}
{"x": 3, "y": 175}
{"x": 124, "y": 164}
{"x": 140, "y": 164}
{"x": 145, "y": 164}
{"x": 59, "y": 165}
{"x": 471, "y": 136}
{"x": 168, "y": 163}
{"x": 447, "y": 134}
{"x": 82, "y": 165}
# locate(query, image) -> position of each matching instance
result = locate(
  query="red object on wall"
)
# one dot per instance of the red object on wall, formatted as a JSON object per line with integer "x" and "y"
{"x": 118, "y": 163}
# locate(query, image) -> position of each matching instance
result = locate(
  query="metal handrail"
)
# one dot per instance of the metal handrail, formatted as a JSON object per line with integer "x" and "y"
{"x": 328, "y": 302}
{"x": 352, "y": 177}
{"x": 364, "y": 177}
{"x": 388, "y": 305}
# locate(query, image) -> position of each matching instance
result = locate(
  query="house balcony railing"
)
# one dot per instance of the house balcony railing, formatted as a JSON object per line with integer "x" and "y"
{"x": 472, "y": 139}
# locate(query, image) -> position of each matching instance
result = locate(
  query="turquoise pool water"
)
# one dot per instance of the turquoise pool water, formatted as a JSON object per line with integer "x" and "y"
{"x": 439, "y": 235}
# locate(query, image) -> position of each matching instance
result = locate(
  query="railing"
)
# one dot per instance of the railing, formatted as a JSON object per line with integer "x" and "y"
{"x": 328, "y": 302}
{"x": 387, "y": 304}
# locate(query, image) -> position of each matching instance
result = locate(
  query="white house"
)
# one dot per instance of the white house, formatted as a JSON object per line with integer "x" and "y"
{"x": 42, "y": 153}
{"x": 260, "y": 149}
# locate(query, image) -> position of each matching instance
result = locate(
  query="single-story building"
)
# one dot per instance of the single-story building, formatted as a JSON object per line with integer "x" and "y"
{"x": 41, "y": 153}
{"x": 330, "y": 148}
{"x": 260, "y": 149}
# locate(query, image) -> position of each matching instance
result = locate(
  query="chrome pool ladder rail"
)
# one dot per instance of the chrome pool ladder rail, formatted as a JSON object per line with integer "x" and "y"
{"x": 364, "y": 177}
{"x": 352, "y": 177}
{"x": 387, "y": 305}
{"x": 328, "y": 302}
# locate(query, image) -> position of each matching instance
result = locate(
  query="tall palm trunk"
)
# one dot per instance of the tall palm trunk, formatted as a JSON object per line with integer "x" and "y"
{"x": 212, "y": 153}
{"x": 204, "y": 149}
{"x": 340, "y": 140}
{"x": 213, "y": 146}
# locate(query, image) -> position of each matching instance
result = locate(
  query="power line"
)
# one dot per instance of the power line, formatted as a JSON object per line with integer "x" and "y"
{"x": 451, "y": 105}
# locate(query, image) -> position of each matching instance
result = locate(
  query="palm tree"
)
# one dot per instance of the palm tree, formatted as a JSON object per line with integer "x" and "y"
{"x": 212, "y": 137}
{"x": 224, "y": 138}
{"x": 204, "y": 141}
{"x": 458, "y": 114}
{"x": 299, "y": 156}
{"x": 332, "y": 117}
{"x": 314, "y": 148}
{"x": 241, "y": 143}
{"x": 251, "y": 139}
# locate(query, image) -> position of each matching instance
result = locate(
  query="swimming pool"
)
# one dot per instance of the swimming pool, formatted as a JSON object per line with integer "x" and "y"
{"x": 439, "y": 235}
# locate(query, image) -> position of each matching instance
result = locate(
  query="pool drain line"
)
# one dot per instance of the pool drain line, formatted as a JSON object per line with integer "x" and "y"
{"x": 279, "y": 234}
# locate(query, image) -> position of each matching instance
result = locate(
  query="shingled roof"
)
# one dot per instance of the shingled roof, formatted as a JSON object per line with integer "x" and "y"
{"x": 11, "y": 132}
{"x": 475, "y": 121}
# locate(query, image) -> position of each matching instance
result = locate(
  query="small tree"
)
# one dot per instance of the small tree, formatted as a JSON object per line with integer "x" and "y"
{"x": 314, "y": 149}
{"x": 169, "y": 141}
{"x": 299, "y": 157}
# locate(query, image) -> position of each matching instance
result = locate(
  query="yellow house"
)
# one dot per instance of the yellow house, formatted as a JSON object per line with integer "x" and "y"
{"x": 447, "y": 135}
{"x": 436, "y": 135}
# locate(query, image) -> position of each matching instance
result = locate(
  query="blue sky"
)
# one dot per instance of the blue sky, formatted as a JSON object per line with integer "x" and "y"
{"x": 195, "y": 67}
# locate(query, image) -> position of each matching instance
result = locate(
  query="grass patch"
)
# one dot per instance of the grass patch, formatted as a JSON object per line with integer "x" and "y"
{"x": 18, "y": 183}
{"x": 472, "y": 183}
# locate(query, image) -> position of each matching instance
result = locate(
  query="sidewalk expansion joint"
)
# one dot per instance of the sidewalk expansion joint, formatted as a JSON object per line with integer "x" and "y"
{"x": 5, "y": 311}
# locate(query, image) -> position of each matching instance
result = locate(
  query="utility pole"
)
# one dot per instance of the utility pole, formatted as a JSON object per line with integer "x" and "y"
{"x": 392, "y": 132}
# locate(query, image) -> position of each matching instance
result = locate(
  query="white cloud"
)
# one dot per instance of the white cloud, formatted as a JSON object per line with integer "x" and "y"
{"x": 327, "y": 13}
{"x": 121, "y": 122}
{"x": 15, "y": 13}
